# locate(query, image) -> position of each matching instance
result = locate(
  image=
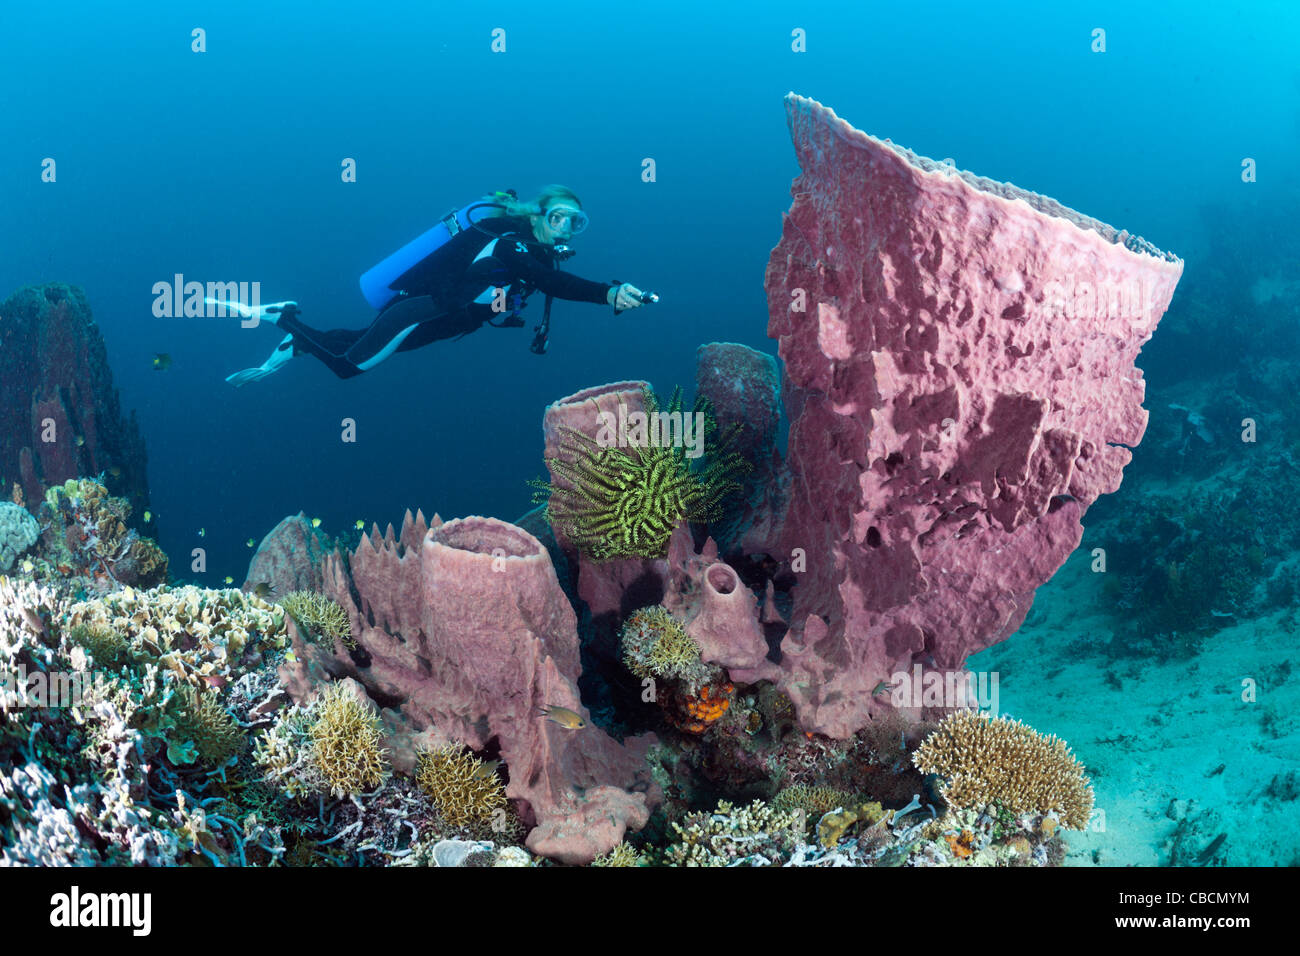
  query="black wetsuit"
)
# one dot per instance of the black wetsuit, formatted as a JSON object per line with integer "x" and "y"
{"x": 438, "y": 297}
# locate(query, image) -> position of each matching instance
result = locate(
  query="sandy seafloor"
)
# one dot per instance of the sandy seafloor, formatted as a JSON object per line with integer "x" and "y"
{"x": 1153, "y": 744}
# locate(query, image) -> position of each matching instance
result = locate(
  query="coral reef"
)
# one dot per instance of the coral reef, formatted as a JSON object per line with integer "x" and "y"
{"x": 467, "y": 638}
{"x": 85, "y": 535}
{"x": 995, "y": 759}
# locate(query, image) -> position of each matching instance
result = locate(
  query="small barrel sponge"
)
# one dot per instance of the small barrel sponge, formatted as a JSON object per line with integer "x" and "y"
{"x": 995, "y": 758}
{"x": 18, "y": 532}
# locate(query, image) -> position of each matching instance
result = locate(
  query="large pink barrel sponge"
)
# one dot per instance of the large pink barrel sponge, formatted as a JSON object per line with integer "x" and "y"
{"x": 960, "y": 381}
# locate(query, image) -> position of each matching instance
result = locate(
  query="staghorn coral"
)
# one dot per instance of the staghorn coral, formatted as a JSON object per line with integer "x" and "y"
{"x": 614, "y": 502}
{"x": 987, "y": 759}
{"x": 753, "y": 835}
{"x": 465, "y": 789}
{"x": 656, "y": 645}
{"x": 345, "y": 742}
{"x": 319, "y": 616}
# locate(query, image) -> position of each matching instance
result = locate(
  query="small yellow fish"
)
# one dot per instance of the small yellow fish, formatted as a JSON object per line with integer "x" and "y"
{"x": 291, "y": 657}
{"x": 80, "y": 441}
{"x": 148, "y": 516}
{"x": 229, "y": 580}
{"x": 28, "y": 567}
{"x": 315, "y": 522}
{"x": 486, "y": 770}
{"x": 250, "y": 542}
{"x": 264, "y": 590}
{"x": 162, "y": 361}
{"x": 564, "y": 717}
{"x": 360, "y": 525}
{"x": 115, "y": 471}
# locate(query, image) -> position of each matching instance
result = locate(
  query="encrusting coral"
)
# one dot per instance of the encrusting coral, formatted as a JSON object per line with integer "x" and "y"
{"x": 622, "y": 502}
{"x": 466, "y": 790}
{"x": 995, "y": 759}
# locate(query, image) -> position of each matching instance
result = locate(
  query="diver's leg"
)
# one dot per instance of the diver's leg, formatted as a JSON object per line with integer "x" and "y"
{"x": 328, "y": 346}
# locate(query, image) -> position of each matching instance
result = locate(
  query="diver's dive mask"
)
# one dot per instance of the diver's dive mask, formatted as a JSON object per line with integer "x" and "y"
{"x": 558, "y": 216}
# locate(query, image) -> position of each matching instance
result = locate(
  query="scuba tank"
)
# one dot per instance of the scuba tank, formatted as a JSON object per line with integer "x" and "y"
{"x": 380, "y": 283}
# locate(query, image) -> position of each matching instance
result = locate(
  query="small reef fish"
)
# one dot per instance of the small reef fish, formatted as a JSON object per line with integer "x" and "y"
{"x": 115, "y": 471}
{"x": 564, "y": 717}
{"x": 28, "y": 567}
{"x": 81, "y": 440}
{"x": 162, "y": 361}
{"x": 216, "y": 680}
{"x": 203, "y": 532}
{"x": 148, "y": 516}
{"x": 486, "y": 770}
{"x": 250, "y": 542}
{"x": 315, "y": 522}
{"x": 264, "y": 590}
{"x": 360, "y": 525}
{"x": 228, "y": 579}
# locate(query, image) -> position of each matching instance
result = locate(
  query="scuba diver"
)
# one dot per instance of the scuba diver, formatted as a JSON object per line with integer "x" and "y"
{"x": 478, "y": 265}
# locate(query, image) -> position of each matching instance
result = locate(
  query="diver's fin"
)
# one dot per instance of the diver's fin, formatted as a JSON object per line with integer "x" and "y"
{"x": 269, "y": 312}
{"x": 279, "y": 358}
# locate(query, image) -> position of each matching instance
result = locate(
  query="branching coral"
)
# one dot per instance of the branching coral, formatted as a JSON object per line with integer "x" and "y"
{"x": 987, "y": 759}
{"x": 466, "y": 790}
{"x": 345, "y": 743}
{"x": 622, "y": 855}
{"x": 619, "y": 502}
{"x": 319, "y": 616}
{"x": 753, "y": 835}
{"x": 656, "y": 645}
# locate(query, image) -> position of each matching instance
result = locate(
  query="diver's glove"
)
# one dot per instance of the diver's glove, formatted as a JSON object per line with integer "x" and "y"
{"x": 279, "y": 358}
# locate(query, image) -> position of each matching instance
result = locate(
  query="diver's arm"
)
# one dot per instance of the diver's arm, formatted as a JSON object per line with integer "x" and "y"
{"x": 515, "y": 262}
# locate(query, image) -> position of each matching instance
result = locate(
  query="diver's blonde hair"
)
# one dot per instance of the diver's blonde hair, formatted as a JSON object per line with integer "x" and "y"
{"x": 547, "y": 197}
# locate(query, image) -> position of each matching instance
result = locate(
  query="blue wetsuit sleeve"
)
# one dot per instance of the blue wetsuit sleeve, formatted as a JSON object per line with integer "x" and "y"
{"x": 511, "y": 261}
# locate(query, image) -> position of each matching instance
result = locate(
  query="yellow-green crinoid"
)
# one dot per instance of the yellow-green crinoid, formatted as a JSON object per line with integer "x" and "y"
{"x": 621, "y": 493}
